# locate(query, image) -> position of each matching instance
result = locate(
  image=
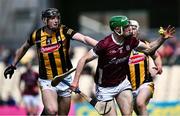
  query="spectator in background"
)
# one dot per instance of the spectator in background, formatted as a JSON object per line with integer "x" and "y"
{"x": 2, "y": 102}
{"x": 87, "y": 81}
{"x": 86, "y": 84}
{"x": 7, "y": 55}
{"x": 167, "y": 51}
{"x": 176, "y": 56}
{"x": 30, "y": 91}
{"x": 10, "y": 101}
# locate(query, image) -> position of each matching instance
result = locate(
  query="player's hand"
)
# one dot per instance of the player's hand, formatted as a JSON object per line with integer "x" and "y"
{"x": 168, "y": 32}
{"x": 158, "y": 70}
{"x": 74, "y": 87}
{"x": 9, "y": 71}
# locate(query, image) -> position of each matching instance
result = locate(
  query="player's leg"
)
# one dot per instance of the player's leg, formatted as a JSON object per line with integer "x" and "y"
{"x": 125, "y": 102}
{"x": 107, "y": 94}
{"x": 35, "y": 104}
{"x": 64, "y": 96}
{"x": 27, "y": 103}
{"x": 143, "y": 97}
{"x": 64, "y": 104}
{"x": 49, "y": 97}
{"x": 113, "y": 111}
{"x": 125, "y": 98}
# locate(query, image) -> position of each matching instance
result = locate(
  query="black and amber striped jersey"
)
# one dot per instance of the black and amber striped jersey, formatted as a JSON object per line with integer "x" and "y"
{"x": 53, "y": 51}
{"x": 138, "y": 72}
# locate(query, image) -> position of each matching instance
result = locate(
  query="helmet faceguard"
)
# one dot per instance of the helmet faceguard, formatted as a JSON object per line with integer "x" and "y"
{"x": 118, "y": 21}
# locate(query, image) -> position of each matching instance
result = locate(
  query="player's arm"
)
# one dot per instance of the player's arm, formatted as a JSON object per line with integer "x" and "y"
{"x": 158, "y": 62}
{"x": 150, "y": 50}
{"x": 85, "y": 39}
{"x": 155, "y": 65}
{"x": 79, "y": 37}
{"x": 19, "y": 54}
{"x": 86, "y": 58}
{"x": 153, "y": 46}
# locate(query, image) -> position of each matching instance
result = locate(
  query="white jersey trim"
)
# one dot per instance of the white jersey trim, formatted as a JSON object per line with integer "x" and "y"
{"x": 93, "y": 53}
{"x": 112, "y": 36}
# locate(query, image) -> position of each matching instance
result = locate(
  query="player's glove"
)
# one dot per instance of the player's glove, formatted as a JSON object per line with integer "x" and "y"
{"x": 167, "y": 33}
{"x": 9, "y": 71}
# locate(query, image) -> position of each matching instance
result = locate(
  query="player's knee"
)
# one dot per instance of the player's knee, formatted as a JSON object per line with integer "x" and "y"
{"x": 140, "y": 104}
{"x": 52, "y": 110}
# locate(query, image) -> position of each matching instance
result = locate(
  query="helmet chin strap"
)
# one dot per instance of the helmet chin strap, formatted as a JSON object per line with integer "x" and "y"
{"x": 119, "y": 34}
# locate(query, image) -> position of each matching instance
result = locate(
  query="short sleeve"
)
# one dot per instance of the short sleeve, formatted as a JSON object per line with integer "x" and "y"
{"x": 98, "y": 49}
{"x": 68, "y": 31}
{"x": 31, "y": 39}
{"x": 135, "y": 43}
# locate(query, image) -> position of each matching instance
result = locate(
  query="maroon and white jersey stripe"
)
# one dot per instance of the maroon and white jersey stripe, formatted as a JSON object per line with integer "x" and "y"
{"x": 113, "y": 60}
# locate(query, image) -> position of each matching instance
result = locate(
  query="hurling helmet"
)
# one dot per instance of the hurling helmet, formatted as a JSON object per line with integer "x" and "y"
{"x": 118, "y": 21}
{"x": 50, "y": 12}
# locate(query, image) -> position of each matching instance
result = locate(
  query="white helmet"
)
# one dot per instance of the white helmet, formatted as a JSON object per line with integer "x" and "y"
{"x": 134, "y": 23}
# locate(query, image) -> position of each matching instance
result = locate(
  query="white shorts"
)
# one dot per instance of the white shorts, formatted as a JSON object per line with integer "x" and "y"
{"x": 108, "y": 93}
{"x": 147, "y": 84}
{"x": 61, "y": 89}
{"x": 30, "y": 100}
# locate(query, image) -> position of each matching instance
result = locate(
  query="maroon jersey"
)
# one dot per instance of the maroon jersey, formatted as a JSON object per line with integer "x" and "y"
{"x": 113, "y": 60}
{"x": 30, "y": 78}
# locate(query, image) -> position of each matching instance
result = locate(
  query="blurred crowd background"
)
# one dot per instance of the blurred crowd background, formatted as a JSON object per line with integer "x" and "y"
{"x": 20, "y": 17}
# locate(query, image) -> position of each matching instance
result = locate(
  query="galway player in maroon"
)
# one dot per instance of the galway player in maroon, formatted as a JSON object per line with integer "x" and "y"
{"x": 30, "y": 93}
{"x": 113, "y": 55}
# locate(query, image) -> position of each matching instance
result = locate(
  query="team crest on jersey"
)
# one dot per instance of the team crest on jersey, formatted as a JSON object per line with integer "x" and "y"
{"x": 48, "y": 41}
{"x": 120, "y": 49}
{"x": 50, "y": 48}
{"x": 127, "y": 47}
{"x": 59, "y": 38}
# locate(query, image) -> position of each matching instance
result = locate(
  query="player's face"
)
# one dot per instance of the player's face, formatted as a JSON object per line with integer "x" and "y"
{"x": 134, "y": 30}
{"x": 127, "y": 31}
{"x": 53, "y": 22}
